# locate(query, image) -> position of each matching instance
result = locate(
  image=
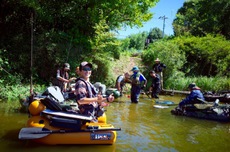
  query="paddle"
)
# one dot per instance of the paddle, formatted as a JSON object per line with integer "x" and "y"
{"x": 37, "y": 132}
{"x": 214, "y": 103}
{"x": 202, "y": 100}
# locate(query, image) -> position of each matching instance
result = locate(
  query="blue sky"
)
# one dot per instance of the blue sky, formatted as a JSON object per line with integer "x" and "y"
{"x": 167, "y": 8}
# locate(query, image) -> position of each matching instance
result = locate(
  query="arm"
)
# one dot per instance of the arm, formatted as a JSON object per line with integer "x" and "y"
{"x": 99, "y": 99}
{"x": 142, "y": 78}
{"x": 188, "y": 99}
{"x": 61, "y": 78}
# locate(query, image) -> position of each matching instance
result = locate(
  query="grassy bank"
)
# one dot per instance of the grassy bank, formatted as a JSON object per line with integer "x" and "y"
{"x": 14, "y": 92}
{"x": 205, "y": 83}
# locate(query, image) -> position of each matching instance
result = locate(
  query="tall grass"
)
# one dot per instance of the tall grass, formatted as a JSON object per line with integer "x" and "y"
{"x": 13, "y": 92}
{"x": 205, "y": 83}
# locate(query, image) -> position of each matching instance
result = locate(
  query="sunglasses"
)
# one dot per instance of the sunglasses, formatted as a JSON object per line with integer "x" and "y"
{"x": 87, "y": 69}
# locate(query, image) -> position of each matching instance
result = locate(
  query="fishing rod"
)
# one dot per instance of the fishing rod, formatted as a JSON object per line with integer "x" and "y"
{"x": 31, "y": 55}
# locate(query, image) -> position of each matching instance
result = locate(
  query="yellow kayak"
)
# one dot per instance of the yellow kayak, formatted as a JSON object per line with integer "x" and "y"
{"x": 59, "y": 127}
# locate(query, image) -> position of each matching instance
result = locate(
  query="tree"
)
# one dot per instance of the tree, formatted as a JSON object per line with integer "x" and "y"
{"x": 137, "y": 41}
{"x": 62, "y": 30}
{"x": 205, "y": 56}
{"x": 154, "y": 34}
{"x": 200, "y": 17}
{"x": 169, "y": 53}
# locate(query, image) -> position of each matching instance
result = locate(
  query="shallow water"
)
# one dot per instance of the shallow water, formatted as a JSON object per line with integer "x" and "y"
{"x": 144, "y": 128}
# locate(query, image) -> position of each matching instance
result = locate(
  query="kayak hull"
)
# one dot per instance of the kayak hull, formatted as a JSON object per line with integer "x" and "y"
{"x": 65, "y": 127}
{"x": 216, "y": 113}
{"x": 79, "y": 137}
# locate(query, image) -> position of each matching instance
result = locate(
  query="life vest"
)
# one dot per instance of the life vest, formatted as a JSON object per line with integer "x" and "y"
{"x": 89, "y": 109}
{"x": 122, "y": 81}
{"x": 64, "y": 74}
{"x": 90, "y": 88}
{"x": 59, "y": 83}
{"x": 135, "y": 78}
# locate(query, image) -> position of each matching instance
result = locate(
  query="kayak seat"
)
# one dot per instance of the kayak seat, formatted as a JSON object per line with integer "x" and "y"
{"x": 51, "y": 104}
{"x": 55, "y": 93}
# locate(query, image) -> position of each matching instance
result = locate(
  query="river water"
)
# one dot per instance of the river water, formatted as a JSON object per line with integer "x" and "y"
{"x": 144, "y": 129}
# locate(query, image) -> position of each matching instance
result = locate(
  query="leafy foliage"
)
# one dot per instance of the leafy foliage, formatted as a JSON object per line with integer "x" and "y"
{"x": 154, "y": 34}
{"x": 169, "y": 54}
{"x": 200, "y": 17}
{"x": 207, "y": 56}
{"x": 62, "y": 31}
{"x": 137, "y": 41}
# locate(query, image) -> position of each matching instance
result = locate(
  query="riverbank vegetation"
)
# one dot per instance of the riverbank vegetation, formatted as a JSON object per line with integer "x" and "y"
{"x": 38, "y": 37}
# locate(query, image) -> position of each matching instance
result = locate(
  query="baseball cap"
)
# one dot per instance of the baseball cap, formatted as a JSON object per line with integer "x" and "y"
{"x": 85, "y": 64}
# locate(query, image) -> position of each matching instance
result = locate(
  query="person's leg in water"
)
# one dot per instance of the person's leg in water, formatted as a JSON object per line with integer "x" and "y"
{"x": 135, "y": 94}
{"x": 154, "y": 93}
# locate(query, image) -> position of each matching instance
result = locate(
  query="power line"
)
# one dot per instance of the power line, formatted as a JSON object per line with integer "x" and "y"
{"x": 163, "y": 18}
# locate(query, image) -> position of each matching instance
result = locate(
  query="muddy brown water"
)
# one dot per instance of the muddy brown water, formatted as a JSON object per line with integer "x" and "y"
{"x": 144, "y": 129}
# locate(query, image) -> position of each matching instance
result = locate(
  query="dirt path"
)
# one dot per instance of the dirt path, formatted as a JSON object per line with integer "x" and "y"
{"x": 125, "y": 64}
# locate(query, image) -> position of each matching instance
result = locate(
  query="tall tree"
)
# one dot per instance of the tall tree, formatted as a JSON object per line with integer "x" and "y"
{"x": 137, "y": 41}
{"x": 154, "y": 34}
{"x": 62, "y": 29}
{"x": 200, "y": 17}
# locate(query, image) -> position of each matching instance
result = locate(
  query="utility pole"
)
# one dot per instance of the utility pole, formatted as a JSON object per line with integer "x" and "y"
{"x": 163, "y": 18}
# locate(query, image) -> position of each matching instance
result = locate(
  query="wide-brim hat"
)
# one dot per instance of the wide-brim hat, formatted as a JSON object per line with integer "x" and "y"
{"x": 135, "y": 68}
{"x": 157, "y": 60}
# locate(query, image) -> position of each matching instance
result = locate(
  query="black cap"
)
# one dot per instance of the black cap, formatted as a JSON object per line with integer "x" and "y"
{"x": 192, "y": 85}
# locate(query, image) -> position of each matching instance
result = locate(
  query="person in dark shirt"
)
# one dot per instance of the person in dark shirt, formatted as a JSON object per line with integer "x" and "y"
{"x": 193, "y": 97}
{"x": 156, "y": 84}
{"x": 158, "y": 68}
{"x": 62, "y": 77}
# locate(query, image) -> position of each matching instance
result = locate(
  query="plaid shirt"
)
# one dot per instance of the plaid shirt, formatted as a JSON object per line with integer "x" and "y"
{"x": 85, "y": 89}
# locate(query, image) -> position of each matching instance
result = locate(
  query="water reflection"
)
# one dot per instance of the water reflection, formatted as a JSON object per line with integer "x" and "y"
{"x": 144, "y": 128}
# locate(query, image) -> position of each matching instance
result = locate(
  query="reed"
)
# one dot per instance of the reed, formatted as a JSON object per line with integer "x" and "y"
{"x": 205, "y": 83}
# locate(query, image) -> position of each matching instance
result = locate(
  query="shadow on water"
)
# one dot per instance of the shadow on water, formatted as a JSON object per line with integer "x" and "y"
{"x": 144, "y": 128}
